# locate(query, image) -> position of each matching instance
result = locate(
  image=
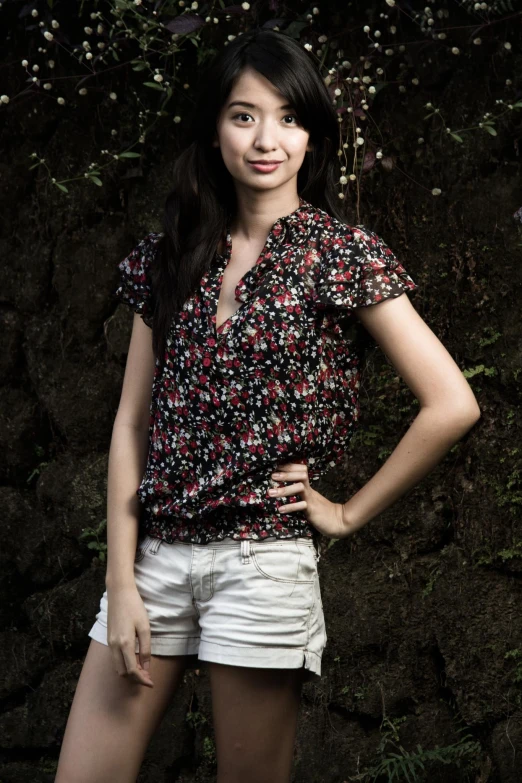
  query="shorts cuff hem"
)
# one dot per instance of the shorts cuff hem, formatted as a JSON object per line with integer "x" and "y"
{"x": 168, "y": 645}
{"x": 262, "y": 657}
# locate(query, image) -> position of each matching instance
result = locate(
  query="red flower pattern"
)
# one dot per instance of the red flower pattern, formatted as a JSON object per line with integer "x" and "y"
{"x": 277, "y": 382}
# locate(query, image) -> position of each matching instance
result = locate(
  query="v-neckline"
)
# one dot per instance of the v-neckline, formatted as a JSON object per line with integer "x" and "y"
{"x": 218, "y": 331}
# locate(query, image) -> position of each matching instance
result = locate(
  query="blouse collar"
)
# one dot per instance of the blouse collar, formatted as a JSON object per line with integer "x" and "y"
{"x": 292, "y": 228}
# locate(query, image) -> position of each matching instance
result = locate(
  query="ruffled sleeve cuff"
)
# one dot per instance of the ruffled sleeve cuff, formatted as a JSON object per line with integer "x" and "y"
{"x": 361, "y": 270}
{"x": 135, "y": 288}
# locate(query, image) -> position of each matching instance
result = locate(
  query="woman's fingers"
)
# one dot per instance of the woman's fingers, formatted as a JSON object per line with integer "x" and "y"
{"x": 289, "y": 489}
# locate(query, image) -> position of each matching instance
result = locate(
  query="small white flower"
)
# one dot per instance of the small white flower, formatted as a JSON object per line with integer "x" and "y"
{"x": 48, "y": 86}
{"x": 4, "y": 98}
{"x": 137, "y": 2}
{"x": 88, "y": 56}
{"x": 477, "y": 41}
{"x": 245, "y": 6}
{"x": 507, "y": 45}
{"x": 61, "y": 101}
{"x": 308, "y": 47}
{"x": 366, "y": 29}
{"x": 378, "y": 154}
{"x": 338, "y": 91}
{"x": 377, "y": 33}
{"x": 34, "y": 12}
{"x": 82, "y": 91}
{"x": 54, "y": 24}
{"x": 436, "y": 192}
{"x": 415, "y": 81}
{"x": 158, "y": 77}
{"x": 25, "y": 63}
{"x": 113, "y": 96}
{"x": 177, "y": 119}
{"x": 343, "y": 180}
{"x": 359, "y": 141}
{"x": 48, "y": 35}
{"x": 371, "y": 89}
{"x": 50, "y": 63}
{"x": 315, "y": 10}
{"x": 391, "y": 3}
{"x": 428, "y": 106}
{"x": 352, "y": 177}
{"x": 87, "y": 30}
{"x": 36, "y": 68}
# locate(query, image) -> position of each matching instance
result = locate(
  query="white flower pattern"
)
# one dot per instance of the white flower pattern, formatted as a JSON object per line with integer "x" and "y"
{"x": 276, "y": 383}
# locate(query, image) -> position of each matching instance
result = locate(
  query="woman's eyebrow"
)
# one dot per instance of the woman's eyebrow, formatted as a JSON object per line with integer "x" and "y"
{"x": 253, "y": 106}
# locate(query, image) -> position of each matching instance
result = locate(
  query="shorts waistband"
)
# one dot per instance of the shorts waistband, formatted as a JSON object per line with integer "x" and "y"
{"x": 153, "y": 544}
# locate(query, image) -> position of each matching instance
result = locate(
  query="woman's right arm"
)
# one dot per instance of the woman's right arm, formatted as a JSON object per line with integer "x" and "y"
{"x": 128, "y": 456}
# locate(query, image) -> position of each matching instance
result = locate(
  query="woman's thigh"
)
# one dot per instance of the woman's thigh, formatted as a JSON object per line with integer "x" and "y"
{"x": 112, "y": 719}
{"x": 255, "y": 715}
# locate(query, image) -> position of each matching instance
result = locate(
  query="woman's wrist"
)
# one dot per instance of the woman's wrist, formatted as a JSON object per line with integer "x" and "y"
{"x": 350, "y": 523}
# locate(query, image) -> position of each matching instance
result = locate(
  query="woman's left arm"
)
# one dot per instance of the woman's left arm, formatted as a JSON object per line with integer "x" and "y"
{"x": 448, "y": 407}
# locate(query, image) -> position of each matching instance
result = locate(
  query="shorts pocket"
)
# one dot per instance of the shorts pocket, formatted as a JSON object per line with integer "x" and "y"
{"x": 288, "y": 561}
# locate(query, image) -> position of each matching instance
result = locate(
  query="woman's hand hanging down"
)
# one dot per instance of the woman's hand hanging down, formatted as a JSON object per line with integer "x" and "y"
{"x": 126, "y": 619}
{"x": 327, "y": 517}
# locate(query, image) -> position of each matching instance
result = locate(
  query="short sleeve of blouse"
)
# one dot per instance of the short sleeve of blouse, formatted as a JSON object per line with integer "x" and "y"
{"x": 135, "y": 288}
{"x": 361, "y": 271}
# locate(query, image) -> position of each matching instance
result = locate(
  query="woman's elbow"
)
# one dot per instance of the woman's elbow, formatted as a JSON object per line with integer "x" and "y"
{"x": 467, "y": 414}
{"x": 462, "y": 415}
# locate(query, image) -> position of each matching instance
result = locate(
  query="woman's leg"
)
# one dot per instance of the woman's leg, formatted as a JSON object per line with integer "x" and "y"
{"x": 113, "y": 719}
{"x": 255, "y": 719}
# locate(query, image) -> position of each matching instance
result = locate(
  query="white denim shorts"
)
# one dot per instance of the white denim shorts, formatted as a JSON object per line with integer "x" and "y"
{"x": 242, "y": 603}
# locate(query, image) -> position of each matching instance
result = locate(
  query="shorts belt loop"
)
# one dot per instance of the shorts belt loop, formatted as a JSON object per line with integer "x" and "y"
{"x": 245, "y": 551}
{"x": 156, "y": 543}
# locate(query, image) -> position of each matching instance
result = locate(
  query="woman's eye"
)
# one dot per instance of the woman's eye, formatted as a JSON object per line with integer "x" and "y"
{"x": 244, "y": 114}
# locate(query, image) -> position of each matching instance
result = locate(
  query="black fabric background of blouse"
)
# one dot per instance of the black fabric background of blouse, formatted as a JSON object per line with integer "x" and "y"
{"x": 278, "y": 382}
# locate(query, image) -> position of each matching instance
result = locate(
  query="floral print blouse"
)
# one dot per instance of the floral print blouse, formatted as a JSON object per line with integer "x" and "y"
{"x": 277, "y": 382}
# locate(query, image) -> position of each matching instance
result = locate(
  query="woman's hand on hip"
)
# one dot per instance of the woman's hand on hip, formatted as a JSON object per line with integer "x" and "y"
{"x": 327, "y": 517}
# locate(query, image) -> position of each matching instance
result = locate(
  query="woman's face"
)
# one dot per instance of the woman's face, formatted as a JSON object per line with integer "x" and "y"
{"x": 260, "y": 127}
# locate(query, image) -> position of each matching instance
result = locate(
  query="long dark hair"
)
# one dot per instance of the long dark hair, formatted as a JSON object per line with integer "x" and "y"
{"x": 203, "y": 194}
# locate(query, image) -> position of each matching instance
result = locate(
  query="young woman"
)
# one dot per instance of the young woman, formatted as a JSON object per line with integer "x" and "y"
{"x": 240, "y": 391}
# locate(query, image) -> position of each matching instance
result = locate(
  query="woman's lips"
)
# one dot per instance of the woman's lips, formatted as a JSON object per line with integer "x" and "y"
{"x": 265, "y": 167}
